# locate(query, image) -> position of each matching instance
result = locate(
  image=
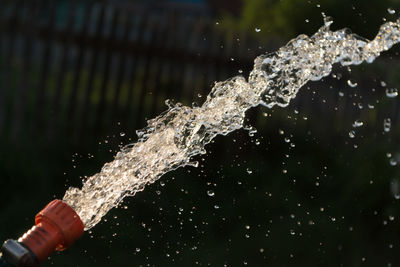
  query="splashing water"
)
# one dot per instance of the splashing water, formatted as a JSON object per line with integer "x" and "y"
{"x": 170, "y": 140}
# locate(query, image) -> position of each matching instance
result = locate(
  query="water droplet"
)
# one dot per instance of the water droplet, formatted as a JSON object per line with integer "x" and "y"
{"x": 216, "y": 207}
{"x": 383, "y": 84}
{"x": 328, "y": 21}
{"x": 122, "y": 134}
{"x": 387, "y": 125}
{"x": 257, "y": 29}
{"x": 351, "y": 83}
{"x": 249, "y": 171}
{"x": 252, "y": 131}
{"x": 169, "y": 103}
{"x": 210, "y": 193}
{"x": 352, "y": 134}
{"x": 247, "y": 227}
{"x": 137, "y": 249}
{"x": 391, "y": 11}
{"x": 240, "y": 71}
{"x": 292, "y": 232}
{"x": 307, "y": 20}
{"x": 393, "y": 162}
{"x": 357, "y": 124}
{"x": 391, "y": 92}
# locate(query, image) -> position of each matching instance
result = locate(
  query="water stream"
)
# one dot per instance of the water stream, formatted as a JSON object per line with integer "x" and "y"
{"x": 171, "y": 140}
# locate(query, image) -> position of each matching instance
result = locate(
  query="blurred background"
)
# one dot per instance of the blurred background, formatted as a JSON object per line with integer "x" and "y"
{"x": 77, "y": 78}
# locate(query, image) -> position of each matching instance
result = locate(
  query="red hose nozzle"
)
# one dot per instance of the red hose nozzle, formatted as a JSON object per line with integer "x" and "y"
{"x": 57, "y": 227}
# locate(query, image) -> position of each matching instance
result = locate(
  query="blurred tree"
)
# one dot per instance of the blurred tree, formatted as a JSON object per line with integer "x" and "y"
{"x": 293, "y": 17}
{"x": 232, "y": 6}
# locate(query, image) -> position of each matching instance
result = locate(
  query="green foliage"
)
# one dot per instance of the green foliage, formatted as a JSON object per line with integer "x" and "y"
{"x": 293, "y": 17}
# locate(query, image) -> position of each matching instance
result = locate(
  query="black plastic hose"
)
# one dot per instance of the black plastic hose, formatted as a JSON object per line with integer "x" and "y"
{"x": 3, "y": 263}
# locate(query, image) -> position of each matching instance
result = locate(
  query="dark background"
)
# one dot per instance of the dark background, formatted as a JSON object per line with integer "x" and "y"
{"x": 74, "y": 75}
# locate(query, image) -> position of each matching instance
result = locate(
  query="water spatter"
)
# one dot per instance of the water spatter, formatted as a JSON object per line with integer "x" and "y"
{"x": 387, "y": 124}
{"x": 392, "y": 92}
{"x": 351, "y": 83}
{"x": 391, "y": 11}
{"x": 171, "y": 140}
{"x": 357, "y": 123}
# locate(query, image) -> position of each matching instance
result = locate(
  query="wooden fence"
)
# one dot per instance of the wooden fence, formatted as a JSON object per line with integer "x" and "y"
{"x": 81, "y": 67}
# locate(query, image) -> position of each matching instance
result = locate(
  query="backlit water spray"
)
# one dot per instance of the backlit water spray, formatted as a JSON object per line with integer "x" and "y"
{"x": 171, "y": 140}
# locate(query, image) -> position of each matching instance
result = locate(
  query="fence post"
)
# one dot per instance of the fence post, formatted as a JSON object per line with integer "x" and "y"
{"x": 121, "y": 69}
{"x": 37, "y": 116}
{"x": 24, "y": 83}
{"x": 135, "y": 58}
{"x": 9, "y": 50}
{"x": 86, "y": 104}
{"x": 111, "y": 39}
{"x": 55, "y": 108}
{"x": 82, "y": 39}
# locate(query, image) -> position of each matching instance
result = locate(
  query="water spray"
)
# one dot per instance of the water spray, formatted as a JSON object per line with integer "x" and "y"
{"x": 172, "y": 139}
{"x": 56, "y": 227}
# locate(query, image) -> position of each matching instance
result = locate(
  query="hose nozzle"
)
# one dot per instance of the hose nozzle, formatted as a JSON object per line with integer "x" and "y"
{"x": 57, "y": 226}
